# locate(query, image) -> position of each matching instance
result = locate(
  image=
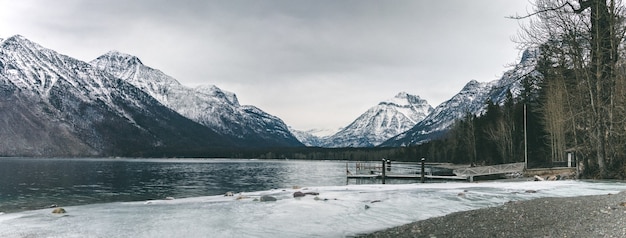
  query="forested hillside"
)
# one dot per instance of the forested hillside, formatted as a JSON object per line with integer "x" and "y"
{"x": 578, "y": 106}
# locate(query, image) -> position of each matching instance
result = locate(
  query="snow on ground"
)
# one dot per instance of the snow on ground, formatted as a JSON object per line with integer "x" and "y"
{"x": 337, "y": 211}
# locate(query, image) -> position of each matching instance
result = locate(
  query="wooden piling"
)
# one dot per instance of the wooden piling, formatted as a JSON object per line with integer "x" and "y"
{"x": 423, "y": 160}
{"x": 383, "y": 177}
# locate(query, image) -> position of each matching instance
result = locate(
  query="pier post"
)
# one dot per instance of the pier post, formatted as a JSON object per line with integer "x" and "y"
{"x": 423, "y": 169}
{"x": 383, "y": 178}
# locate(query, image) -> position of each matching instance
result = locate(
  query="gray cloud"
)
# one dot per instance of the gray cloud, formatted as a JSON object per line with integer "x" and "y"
{"x": 312, "y": 63}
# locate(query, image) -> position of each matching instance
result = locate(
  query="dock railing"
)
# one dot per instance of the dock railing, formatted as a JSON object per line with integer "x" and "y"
{"x": 396, "y": 170}
{"x": 472, "y": 172}
{"x": 376, "y": 168}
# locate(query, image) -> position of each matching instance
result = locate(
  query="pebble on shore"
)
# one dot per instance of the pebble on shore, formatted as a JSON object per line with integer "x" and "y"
{"x": 585, "y": 216}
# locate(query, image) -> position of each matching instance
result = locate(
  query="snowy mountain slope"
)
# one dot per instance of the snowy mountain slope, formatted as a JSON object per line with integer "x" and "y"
{"x": 308, "y": 138}
{"x": 471, "y": 99}
{"x": 208, "y": 105}
{"x": 381, "y": 122}
{"x": 55, "y": 105}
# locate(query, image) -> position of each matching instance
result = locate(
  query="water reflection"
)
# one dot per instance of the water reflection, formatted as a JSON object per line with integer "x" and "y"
{"x": 27, "y": 183}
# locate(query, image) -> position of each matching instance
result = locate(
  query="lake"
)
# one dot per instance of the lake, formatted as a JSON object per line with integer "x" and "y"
{"x": 126, "y": 198}
{"x": 34, "y": 183}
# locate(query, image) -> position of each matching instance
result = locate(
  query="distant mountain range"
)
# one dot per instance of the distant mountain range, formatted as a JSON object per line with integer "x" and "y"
{"x": 408, "y": 120}
{"x": 55, "y": 105}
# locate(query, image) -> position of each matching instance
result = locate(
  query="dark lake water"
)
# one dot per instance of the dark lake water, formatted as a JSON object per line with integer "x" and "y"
{"x": 27, "y": 183}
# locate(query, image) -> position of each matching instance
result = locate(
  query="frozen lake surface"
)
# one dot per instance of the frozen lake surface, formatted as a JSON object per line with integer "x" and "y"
{"x": 337, "y": 211}
{"x": 126, "y": 198}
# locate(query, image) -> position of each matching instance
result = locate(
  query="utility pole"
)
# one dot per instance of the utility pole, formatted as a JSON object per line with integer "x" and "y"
{"x": 525, "y": 140}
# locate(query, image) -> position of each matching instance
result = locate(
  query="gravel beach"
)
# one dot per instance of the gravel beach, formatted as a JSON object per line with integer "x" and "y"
{"x": 586, "y": 216}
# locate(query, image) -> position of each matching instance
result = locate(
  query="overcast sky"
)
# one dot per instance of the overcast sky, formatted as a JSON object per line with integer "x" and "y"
{"x": 314, "y": 64}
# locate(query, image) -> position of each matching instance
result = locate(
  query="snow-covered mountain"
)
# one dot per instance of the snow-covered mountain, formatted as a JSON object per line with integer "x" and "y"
{"x": 308, "y": 138}
{"x": 208, "y": 105}
{"x": 471, "y": 99}
{"x": 55, "y": 105}
{"x": 381, "y": 122}
{"x": 376, "y": 125}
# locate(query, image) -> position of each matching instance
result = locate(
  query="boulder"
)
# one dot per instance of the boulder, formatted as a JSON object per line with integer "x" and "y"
{"x": 59, "y": 210}
{"x": 298, "y": 194}
{"x": 267, "y": 198}
{"x": 538, "y": 178}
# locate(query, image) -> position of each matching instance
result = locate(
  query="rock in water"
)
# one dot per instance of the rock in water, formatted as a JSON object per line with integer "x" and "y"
{"x": 267, "y": 198}
{"x": 298, "y": 194}
{"x": 59, "y": 210}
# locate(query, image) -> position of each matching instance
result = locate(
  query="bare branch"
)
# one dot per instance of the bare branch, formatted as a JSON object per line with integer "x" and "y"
{"x": 583, "y": 5}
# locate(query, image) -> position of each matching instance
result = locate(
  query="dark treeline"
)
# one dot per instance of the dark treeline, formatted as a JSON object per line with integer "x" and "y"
{"x": 315, "y": 153}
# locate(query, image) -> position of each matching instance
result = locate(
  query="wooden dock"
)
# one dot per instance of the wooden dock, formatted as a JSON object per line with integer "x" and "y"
{"x": 373, "y": 170}
{"x": 499, "y": 169}
{"x": 405, "y": 176}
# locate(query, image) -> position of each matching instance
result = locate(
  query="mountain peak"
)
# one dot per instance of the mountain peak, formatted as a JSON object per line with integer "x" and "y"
{"x": 402, "y": 95}
{"x": 473, "y": 85}
{"x": 405, "y": 99}
{"x": 119, "y": 57}
{"x": 381, "y": 122}
{"x": 19, "y": 40}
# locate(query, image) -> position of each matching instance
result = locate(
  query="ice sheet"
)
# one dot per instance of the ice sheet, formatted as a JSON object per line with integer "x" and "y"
{"x": 338, "y": 211}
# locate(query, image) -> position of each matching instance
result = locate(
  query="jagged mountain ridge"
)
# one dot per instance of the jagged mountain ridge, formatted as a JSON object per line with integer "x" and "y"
{"x": 207, "y": 105}
{"x": 471, "y": 99}
{"x": 55, "y": 105}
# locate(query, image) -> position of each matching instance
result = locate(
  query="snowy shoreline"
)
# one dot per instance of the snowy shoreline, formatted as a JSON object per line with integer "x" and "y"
{"x": 337, "y": 211}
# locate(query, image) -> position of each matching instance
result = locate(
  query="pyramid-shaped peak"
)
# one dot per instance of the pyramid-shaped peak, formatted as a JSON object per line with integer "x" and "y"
{"x": 402, "y": 95}
{"x": 20, "y": 40}
{"x": 405, "y": 99}
{"x": 473, "y": 85}
{"x": 119, "y": 57}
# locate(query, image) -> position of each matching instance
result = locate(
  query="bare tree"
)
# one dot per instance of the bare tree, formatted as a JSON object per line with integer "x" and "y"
{"x": 585, "y": 36}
